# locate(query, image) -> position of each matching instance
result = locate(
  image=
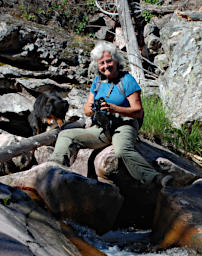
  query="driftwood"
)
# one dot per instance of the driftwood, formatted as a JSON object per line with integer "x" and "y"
{"x": 28, "y": 144}
{"x": 130, "y": 40}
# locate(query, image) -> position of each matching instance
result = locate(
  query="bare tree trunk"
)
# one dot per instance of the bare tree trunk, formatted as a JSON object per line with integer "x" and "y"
{"x": 28, "y": 144}
{"x": 130, "y": 40}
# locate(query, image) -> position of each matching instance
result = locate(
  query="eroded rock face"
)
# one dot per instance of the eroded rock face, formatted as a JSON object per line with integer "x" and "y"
{"x": 178, "y": 218}
{"x": 27, "y": 229}
{"x": 181, "y": 84}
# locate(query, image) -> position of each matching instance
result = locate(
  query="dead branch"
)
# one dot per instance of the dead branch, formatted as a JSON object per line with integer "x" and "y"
{"x": 153, "y": 75}
{"x": 28, "y": 144}
{"x": 103, "y": 11}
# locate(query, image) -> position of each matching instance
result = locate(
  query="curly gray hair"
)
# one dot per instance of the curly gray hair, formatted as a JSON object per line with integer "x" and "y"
{"x": 97, "y": 53}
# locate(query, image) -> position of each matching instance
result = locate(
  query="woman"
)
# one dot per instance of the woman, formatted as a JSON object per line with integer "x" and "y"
{"x": 123, "y": 110}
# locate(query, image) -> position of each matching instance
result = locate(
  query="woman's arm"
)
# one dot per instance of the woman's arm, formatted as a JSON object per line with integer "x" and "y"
{"x": 135, "y": 109}
{"x": 88, "y": 106}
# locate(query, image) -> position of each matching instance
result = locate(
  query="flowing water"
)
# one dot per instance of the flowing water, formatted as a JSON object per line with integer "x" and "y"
{"x": 130, "y": 242}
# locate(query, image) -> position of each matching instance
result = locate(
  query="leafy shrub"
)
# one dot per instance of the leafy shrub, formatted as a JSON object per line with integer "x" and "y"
{"x": 147, "y": 15}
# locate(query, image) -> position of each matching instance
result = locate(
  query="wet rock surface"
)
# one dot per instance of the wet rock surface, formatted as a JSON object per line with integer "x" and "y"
{"x": 27, "y": 229}
{"x": 178, "y": 217}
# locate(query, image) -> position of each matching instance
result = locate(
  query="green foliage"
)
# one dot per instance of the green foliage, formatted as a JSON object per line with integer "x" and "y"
{"x": 188, "y": 139}
{"x": 26, "y": 13}
{"x": 147, "y": 15}
{"x": 158, "y": 2}
{"x": 72, "y": 15}
{"x": 82, "y": 25}
{"x": 40, "y": 11}
{"x": 157, "y": 127}
{"x": 75, "y": 15}
{"x": 56, "y": 5}
{"x": 92, "y": 35}
{"x": 155, "y": 121}
{"x": 6, "y": 200}
{"x": 29, "y": 16}
{"x": 90, "y": 4}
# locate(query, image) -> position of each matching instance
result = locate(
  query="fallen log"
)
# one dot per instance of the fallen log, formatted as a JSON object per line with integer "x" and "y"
{"x": 31, "y": 143}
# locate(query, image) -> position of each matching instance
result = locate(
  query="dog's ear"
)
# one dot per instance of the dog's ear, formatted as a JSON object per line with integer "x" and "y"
{"x": 60, "y": 108}
{"x": 48, "y": 107}
{"x": 66, "y": 105}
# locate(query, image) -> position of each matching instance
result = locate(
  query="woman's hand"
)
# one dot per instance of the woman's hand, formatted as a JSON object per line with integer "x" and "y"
{"x": 135, "y": 110}
{"x": 109, "y": 107}
{"x": 88, "y": 106}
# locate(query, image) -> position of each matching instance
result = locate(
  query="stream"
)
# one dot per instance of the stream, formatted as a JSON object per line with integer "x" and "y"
{"x": 127, "y": 242}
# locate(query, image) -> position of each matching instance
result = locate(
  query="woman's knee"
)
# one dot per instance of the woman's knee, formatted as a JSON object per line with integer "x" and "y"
{"x": 66, "y": 133}
{"x": 121, "y": 152}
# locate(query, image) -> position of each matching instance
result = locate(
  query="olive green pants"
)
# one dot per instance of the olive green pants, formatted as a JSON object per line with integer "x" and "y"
{"x": 123, "y": 138}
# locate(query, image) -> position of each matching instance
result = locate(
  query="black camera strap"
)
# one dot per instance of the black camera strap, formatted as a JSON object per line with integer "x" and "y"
{"x": 119, "y": 86}
{"x": 110, "y": 90}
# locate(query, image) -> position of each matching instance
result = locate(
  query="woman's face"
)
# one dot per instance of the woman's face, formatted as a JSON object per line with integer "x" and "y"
{"x": 107, "y": 66}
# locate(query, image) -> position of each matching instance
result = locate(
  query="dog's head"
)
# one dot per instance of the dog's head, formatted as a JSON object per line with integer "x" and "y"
{"x": 50, "y": 103}
{"x": 57, "y": 107}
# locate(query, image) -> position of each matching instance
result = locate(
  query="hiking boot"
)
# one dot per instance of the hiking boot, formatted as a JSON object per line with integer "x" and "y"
{"x": 65, "y": 161}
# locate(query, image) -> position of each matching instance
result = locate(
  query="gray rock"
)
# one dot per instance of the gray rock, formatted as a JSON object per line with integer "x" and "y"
{"x": 161, "y": 60}
{"x": 76, "y": 99}
{"x": 181, "y": 85}
{"x": 14, "y": 102}
{"x": 153, "y": 44}
{"x": 27, "y": 229}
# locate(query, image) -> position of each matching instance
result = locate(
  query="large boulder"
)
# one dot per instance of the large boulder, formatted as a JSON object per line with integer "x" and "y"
{"x": 70, "y": 195}
{"x": 178, "y": 217}
{"x": 180, "y": 85}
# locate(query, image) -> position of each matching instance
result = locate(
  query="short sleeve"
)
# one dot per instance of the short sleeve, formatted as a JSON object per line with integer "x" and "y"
{"x": 130, "y": 85}
{"x": 93, "y": 86}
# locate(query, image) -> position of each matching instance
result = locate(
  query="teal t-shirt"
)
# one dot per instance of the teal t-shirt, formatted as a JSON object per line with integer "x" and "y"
{"x": 116, "y": 97}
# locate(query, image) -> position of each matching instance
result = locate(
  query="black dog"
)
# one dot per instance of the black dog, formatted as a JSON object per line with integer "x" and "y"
{"x": 49, "y": 109}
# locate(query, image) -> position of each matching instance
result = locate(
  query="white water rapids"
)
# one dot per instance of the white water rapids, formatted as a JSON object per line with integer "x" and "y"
{"x": 128, "y": 242}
